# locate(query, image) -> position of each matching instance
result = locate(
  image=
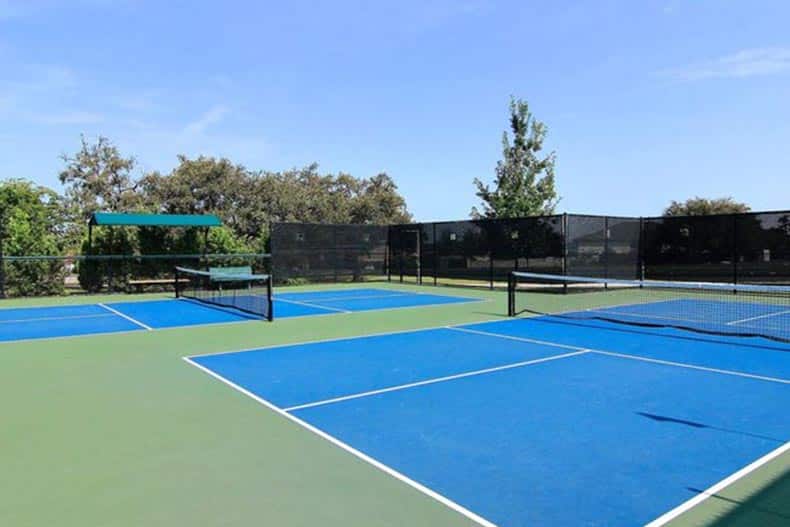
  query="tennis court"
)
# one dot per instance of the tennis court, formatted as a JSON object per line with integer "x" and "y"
{"x": 550, "y": 420}
{"x": 115, "y": 317}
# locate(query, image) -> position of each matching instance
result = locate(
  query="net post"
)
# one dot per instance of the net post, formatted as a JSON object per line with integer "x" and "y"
{"x": 270, "y": 311}
{"x": 511, "y": 294}
{"x": 177, "y": 287}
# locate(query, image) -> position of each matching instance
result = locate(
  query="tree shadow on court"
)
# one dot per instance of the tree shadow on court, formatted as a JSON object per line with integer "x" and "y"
{"x": 768, "y": 506}
{"x": 697, "y": 424}
{"x": 762, "y": 499}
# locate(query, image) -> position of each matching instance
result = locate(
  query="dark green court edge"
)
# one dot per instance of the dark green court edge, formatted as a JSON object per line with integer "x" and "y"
{"x": 117, "y": 430}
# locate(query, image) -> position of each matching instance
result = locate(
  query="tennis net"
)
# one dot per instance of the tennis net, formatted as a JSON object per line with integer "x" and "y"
{"x": 230, "y": 287}
{"x": 704, "y": 307}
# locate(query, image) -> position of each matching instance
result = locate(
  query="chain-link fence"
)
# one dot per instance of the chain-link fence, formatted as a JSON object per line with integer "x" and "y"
{"x": 308, "y": 252}
{"x": 740, "y": 248}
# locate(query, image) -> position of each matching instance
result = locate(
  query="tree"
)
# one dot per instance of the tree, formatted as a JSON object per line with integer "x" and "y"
{"x": 703, "y": 207}
{"x": 377, "y": 201}
{"x": 524, "y": 184}
{"x": 98, "y": 178}
{"x": 29, "y": 226}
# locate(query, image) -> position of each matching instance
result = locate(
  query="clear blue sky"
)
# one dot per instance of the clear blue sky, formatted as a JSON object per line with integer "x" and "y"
{"x": 645, "y": 101}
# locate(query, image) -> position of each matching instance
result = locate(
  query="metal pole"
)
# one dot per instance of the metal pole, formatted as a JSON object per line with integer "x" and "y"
{"x": 565, "y": 250}
{"x": 735, "y": 249}
{"x": 2, "y": 260}
{"x": 435, "y": 258}
{"x": 419, "y": 254}
{"x": 641, "y": 250}
{"x": 606, "y": 251}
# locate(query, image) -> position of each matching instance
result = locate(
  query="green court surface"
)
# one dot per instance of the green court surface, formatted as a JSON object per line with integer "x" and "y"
{"x": 118, "y": 430}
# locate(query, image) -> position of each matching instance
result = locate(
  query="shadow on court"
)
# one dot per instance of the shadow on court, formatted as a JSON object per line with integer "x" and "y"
{"x": 768, "y": 506}
{"x": 696, "y": 424}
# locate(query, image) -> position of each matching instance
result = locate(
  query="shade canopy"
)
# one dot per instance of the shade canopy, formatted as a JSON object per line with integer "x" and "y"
{"x": 154, "y": 220}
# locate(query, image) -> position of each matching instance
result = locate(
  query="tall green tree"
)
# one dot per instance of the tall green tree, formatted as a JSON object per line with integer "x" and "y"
{"x": 98, "y": 178}
{"x": 703, "y": 206}
{"x": 29, "y": 225}
{"x": 524, "y": 184}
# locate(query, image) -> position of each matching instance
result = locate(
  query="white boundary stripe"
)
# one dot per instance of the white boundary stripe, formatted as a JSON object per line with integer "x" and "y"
{"x": 336, "y": 339}
{"x": 308, "y": 304}
{"x": 712, "y": 491}
{"x": 435, "y": 380}
{"x": 127, "y": 317}
{"x": 364, "y": 457}
{"x": 662, "y": 317}
{"x": 41, "y": 319}
{"x": 632, "y": 357}
{"x": 693, "y": 367}
{"x": 246, "y": 321}
{"x": 768, "y": 315}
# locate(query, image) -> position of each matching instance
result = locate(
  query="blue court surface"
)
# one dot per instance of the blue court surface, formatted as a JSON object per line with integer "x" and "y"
{"x": 68, "y": 321}
{"x": 537, "y": 421}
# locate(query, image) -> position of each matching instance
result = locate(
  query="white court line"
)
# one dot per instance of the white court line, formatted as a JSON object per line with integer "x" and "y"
{"x": 40, "y": 319}
{"x": 127, "y": 317}
{"x": 693, "y": 367}
{"x": 308, "y": 304}
{"x": 435, "y": 380}
{"x": 627, "y": 314}
{"x": 337, "y": 339}
{"x": 712, "y": 491}
{"x": 787, "y": 312}
{"x": 647, "y": 316}
{"x": 340, "y": 444}
{"x": 631, "y": 357}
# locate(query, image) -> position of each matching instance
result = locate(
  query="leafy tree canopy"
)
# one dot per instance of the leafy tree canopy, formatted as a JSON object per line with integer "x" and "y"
{"x": 99, "y": 178}
{"x": 524, "y": 184}
{"x": 702, "y": 207}
{"x": 30, "y": 220}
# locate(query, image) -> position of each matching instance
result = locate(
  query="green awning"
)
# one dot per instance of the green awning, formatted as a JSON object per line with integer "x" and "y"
{"x": 157, "y": 220}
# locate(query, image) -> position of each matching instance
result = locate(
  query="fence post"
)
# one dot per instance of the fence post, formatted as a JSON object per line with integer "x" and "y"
{"x": 335, "y": 252}
{"x": 435, "y": 256}
{"x": 735, "y": 249}
{"x": 606, "y": 251}
{"x": 641, "y": 250}
{"x": 388, "y": 254}
{"x": 565, "y": 250}
{"x": 2, "y": 259}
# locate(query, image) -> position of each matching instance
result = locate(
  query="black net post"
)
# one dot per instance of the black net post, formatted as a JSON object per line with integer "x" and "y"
{"x": 269, "y": 300}
{"x": 511, "y": 294}
{"x": 490, "y": 242}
